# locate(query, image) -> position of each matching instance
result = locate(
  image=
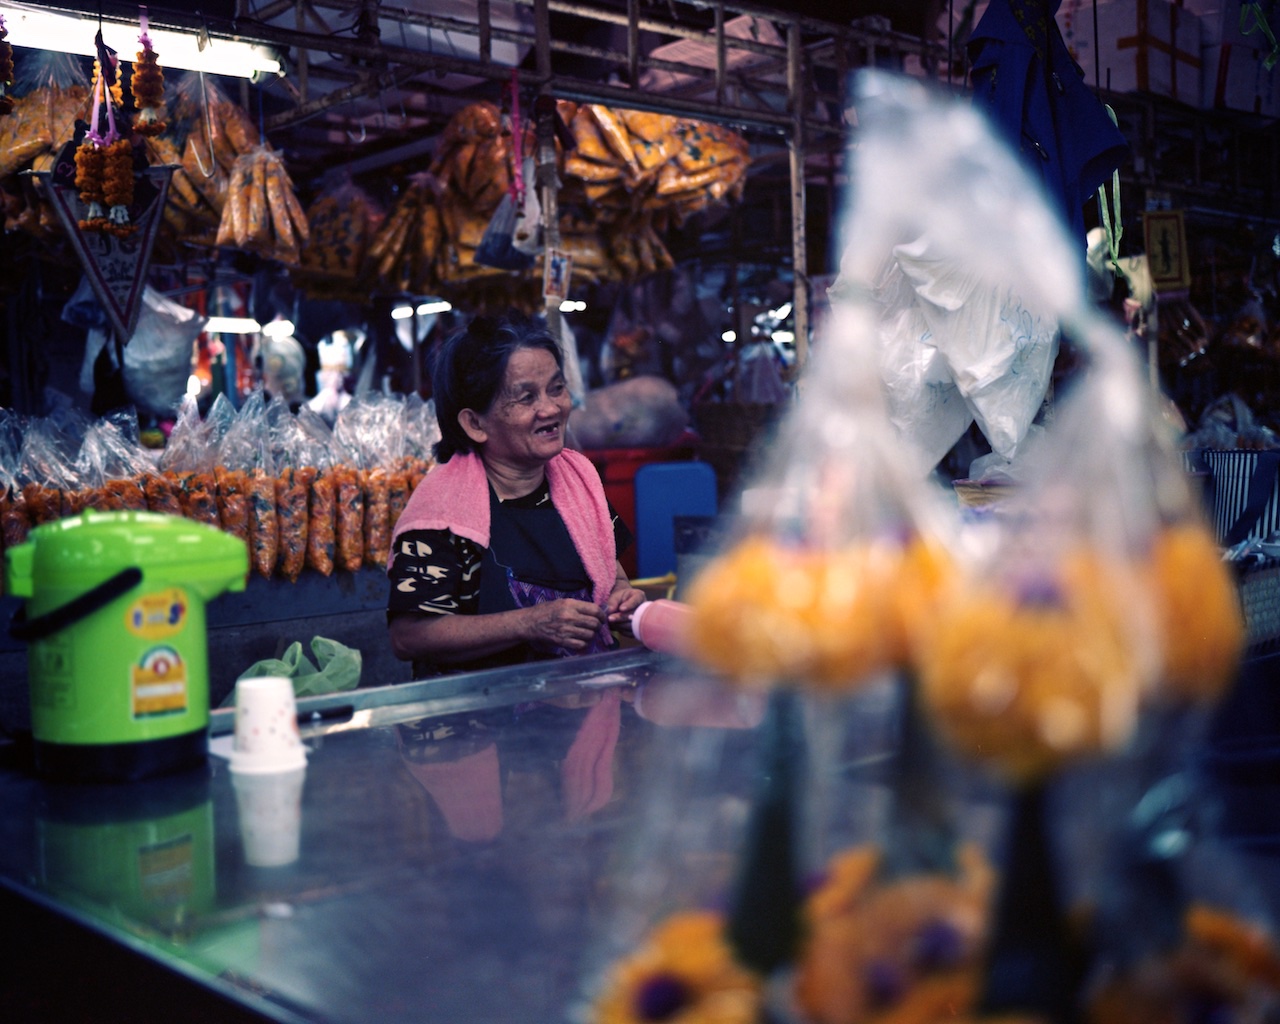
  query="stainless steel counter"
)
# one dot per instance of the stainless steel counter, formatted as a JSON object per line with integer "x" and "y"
{"x": 464, "y": 846}
{"x": 478, "y": 848}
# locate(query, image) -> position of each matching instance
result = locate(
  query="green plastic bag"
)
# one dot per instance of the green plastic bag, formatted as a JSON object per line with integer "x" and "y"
{"x": 336, "y": 667}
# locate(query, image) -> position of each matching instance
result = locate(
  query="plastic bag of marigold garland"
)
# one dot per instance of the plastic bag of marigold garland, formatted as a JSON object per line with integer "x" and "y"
{"x": 246, "y": 475}
{"x": 1102, "y": 597}
{"x": 46, "y": 466}
{"x": 1054, "y": 630}
{"x": 841, "y": 544}
{"x": 112, "y": 469}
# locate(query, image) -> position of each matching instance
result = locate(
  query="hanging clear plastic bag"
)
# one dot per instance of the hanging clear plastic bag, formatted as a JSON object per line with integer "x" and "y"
{"x": 497, "y": 246}
{"x": 246, "y": 474}
{"x": 1035, "y": 638}
{"x": 842, "y": 541}
{"x": 955, "y": 351}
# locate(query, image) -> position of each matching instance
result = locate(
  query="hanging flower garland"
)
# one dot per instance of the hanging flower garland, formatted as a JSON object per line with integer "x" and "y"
{"x": 90, "y": 163}
{"x": 104, "y": 161}
{"x": 147, "y": 86}
{"x": 6, "y": 70}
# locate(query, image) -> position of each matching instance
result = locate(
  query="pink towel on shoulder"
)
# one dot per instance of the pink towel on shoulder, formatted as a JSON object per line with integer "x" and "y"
{"x": 454, "y": 496}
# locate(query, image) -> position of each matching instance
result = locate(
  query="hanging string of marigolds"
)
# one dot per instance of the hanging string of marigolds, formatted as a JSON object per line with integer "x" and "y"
{"x": 147, "y": 86}
{"x": 6, "y": 70}
{"x": 104, "y": 160}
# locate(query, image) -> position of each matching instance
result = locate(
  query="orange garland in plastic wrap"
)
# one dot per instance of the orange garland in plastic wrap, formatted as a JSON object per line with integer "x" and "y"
{"x": 1201, "y": 624}
{"x": 117, "y": 186}
{"x": 147, "y": 85}
{"x": 1029, "y": 676}
{"x": 765, "y": 611}
{"x": 686, "y": 973}
{"x": 906, "y": 949}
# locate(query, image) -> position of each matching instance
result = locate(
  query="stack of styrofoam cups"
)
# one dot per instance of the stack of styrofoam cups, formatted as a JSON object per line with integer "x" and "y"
{"x": 268, "y": 769}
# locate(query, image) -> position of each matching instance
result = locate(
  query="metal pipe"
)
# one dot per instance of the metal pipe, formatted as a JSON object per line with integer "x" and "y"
{"x": 721, "y": 56}
{"x": 367, "y": 86}
{"x": 483, "y": 15}
{"x": 799, "y": 242}
{"x": 382, "y": 51}
{"x": 665, "y": 103}
{"x": 547, "y": 180}
{"x": 303, "y": 59}
{"x": 542, "y": 39}
{"x": 814, "y": 26}
{"x": 633, "y": 43}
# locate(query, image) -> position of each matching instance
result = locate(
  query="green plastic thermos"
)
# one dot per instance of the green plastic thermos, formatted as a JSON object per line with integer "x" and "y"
{"x": 118, "y": 654}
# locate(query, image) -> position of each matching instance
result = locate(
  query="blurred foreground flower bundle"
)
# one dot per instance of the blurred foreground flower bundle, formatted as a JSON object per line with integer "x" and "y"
{"x": 1021, "y": 643}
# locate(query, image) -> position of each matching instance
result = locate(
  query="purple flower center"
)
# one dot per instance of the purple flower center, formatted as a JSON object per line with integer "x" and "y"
{"x": 1039, "y": 592}
{"x": 886, "y": 983}
{"x": 661, "y": 997}
{"x": 813, "y": 882}
{"x": 938, "y": 946}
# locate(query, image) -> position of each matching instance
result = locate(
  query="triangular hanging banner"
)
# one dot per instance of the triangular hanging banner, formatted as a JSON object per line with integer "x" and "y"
{"x": 116, "y": 267}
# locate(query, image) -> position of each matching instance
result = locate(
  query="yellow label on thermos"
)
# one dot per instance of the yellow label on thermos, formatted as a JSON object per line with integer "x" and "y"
{"x": 157, "y": 615}
{"x": 159, "y": 684}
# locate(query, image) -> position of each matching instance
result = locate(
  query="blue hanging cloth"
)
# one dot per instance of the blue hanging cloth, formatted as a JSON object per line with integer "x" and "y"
{"x": 1028, "y": 83}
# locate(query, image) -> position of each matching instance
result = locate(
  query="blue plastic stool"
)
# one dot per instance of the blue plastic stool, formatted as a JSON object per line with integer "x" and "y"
{"x": 665, "y": 490}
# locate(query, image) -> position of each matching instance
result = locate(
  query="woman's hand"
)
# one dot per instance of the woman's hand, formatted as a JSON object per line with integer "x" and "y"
{"x": 624, "y": 600}
{"x": 565, "y": 622}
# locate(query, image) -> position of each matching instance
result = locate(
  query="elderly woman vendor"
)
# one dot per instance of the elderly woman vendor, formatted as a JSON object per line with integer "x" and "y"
{"x": 508, "y": 550}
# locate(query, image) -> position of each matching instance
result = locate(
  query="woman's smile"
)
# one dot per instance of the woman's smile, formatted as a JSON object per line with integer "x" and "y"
{"x": 526, "y": 423}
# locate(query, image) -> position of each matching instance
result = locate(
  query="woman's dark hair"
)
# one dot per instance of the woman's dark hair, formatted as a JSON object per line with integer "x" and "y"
{"x": 469, "y": 368}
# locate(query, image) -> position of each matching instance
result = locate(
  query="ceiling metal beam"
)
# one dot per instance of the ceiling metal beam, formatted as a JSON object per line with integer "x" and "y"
{"x": 368, "y": 86}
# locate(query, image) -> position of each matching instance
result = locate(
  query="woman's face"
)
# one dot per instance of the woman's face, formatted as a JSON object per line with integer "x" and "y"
{"x": 526, "y": 423}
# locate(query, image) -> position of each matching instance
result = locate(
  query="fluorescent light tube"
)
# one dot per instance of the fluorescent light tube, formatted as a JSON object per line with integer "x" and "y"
{"x": 43, "y": 29}
{"x": 278, "y": 329}
{"x": 232, "y": 325}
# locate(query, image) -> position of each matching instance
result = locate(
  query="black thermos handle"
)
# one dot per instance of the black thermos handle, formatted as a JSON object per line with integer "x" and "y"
{"x": 26, "y": 630}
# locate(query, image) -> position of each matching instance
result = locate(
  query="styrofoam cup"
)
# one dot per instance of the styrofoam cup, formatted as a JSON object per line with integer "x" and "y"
{"x": 270, "y": 811}
{"x": 266, "y": 729}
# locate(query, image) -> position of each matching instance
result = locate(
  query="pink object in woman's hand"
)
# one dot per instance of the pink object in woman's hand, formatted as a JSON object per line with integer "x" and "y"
{"x": 662, "y": 625}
